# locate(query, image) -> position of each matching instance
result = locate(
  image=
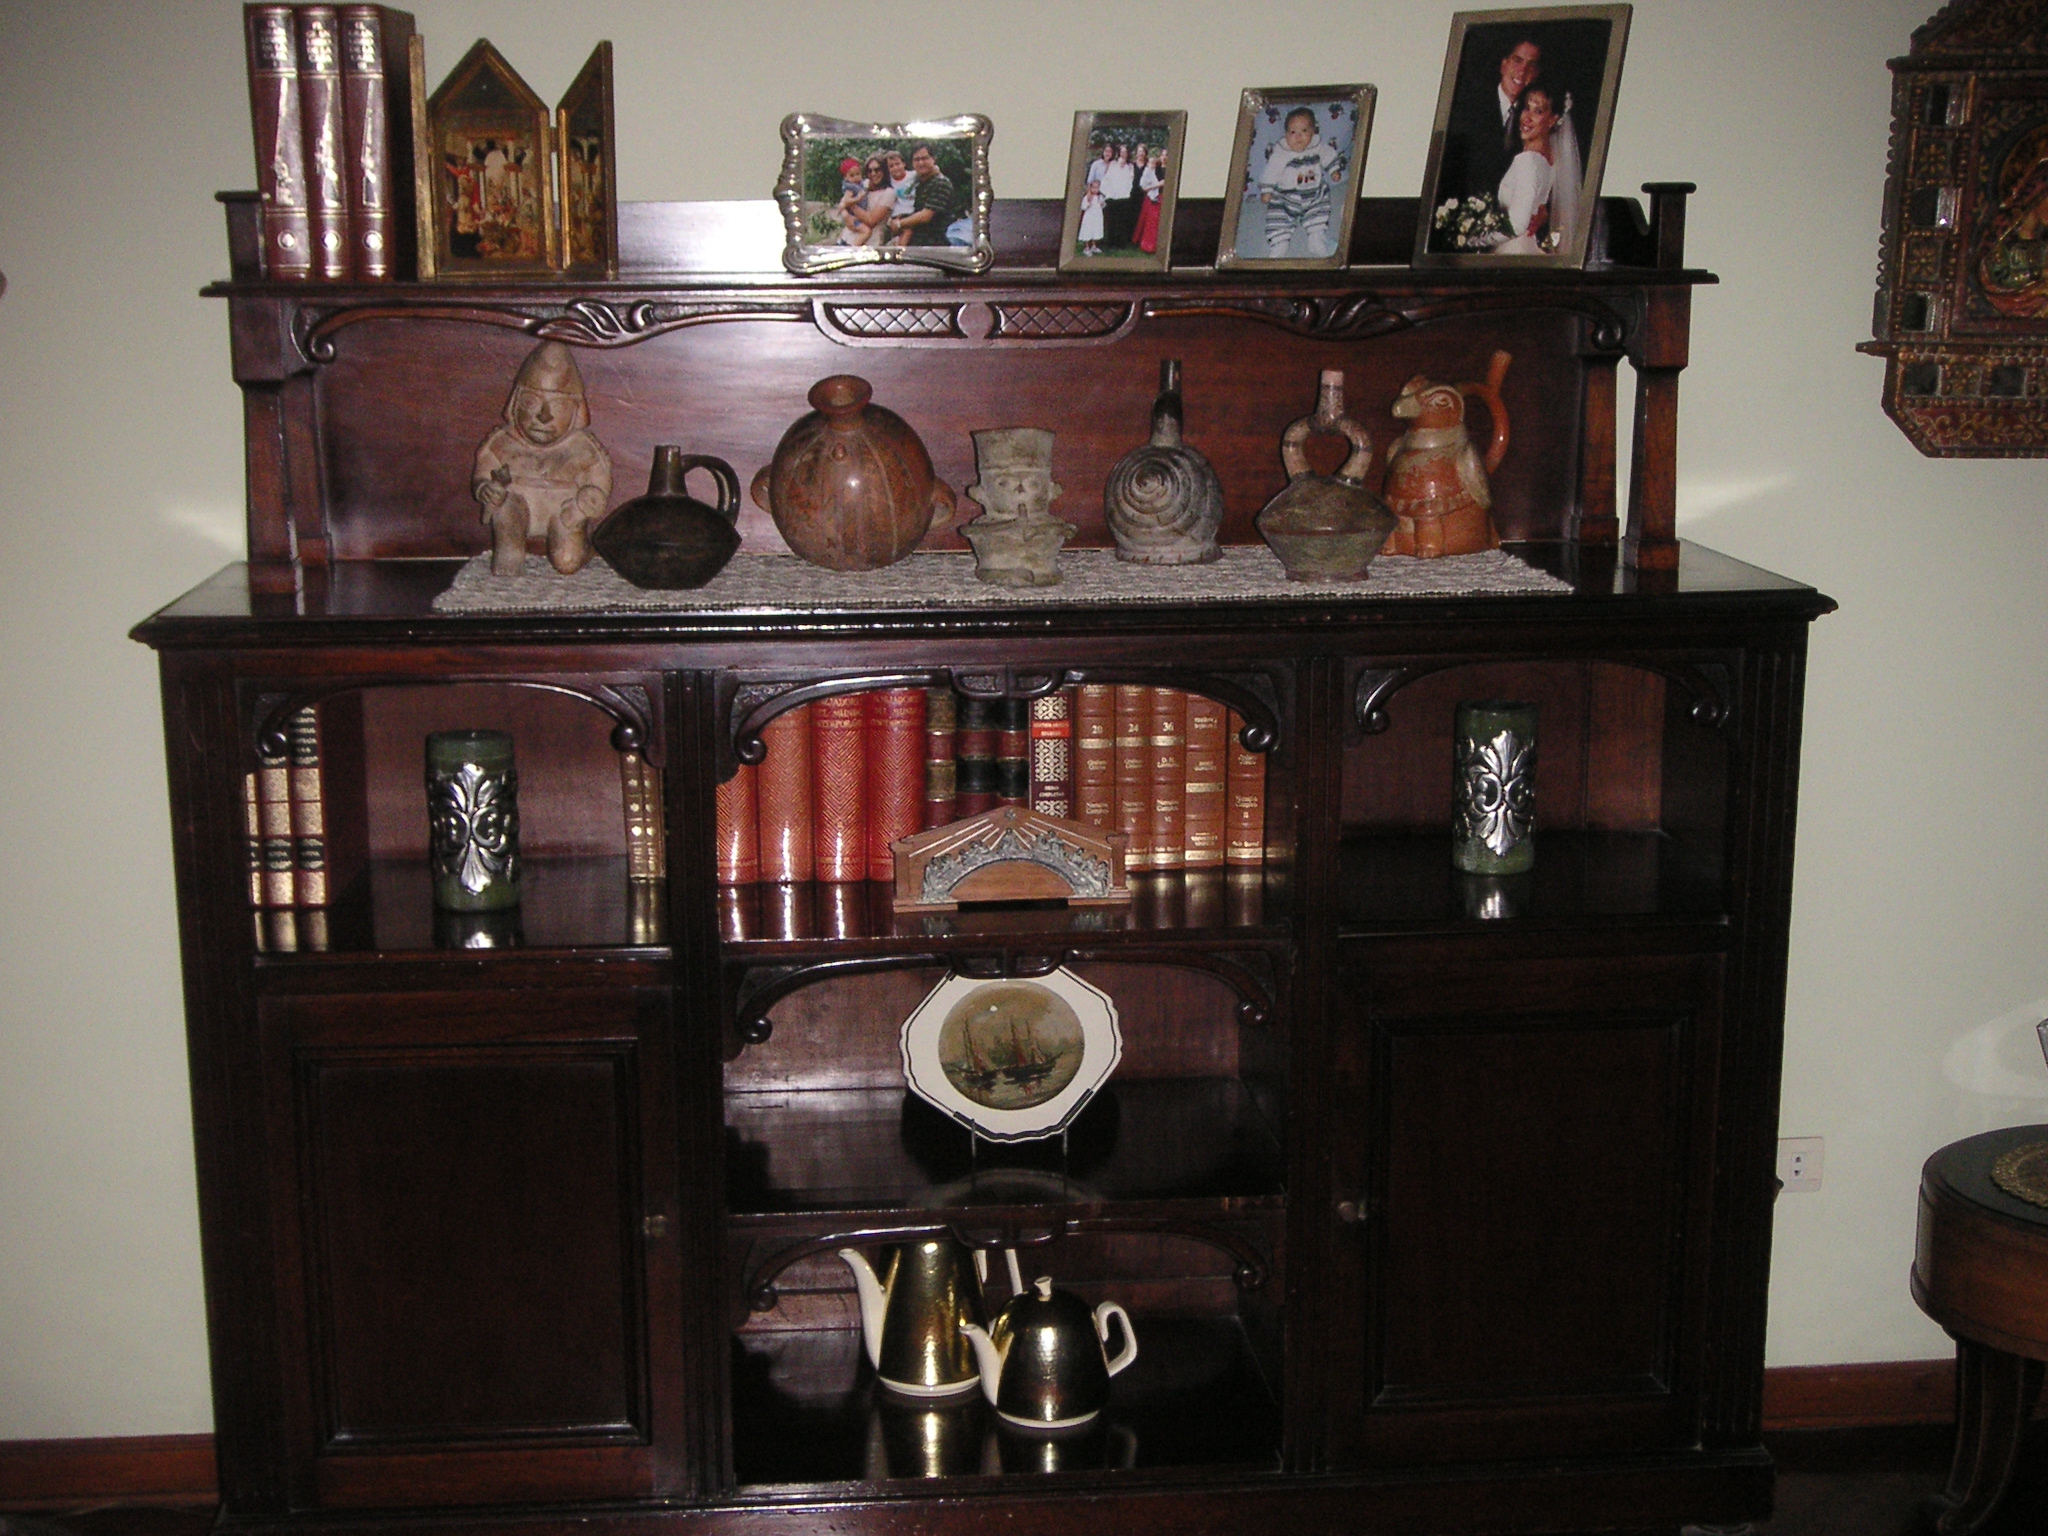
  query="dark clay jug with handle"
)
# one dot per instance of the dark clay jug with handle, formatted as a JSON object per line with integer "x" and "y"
{"x": 667, "y": 540}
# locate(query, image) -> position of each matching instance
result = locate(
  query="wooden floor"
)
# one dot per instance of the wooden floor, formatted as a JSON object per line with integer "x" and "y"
{"x": 1865, "y": 1482}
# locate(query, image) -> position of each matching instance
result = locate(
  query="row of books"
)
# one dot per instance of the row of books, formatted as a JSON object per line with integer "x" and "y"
{"x": 284, "y": 803}
{"x": 331, "y": 107}
{"x": 845, "y": 777}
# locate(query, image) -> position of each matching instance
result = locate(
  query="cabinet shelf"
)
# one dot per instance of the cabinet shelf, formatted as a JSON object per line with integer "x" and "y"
{"x": 805, "y": 1411}
{"x": 885, "y": 1150}
{"x": 575, "y": 903}
{"x": 1404, "y": 882}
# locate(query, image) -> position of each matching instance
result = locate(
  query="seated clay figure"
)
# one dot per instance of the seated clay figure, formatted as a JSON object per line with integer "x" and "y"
{"x": 1016, "y": 539}
{"x": 543, "y": 474}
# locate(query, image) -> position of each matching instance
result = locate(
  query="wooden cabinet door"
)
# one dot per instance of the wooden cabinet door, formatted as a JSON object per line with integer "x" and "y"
{"x": 474, "y": 1196}
{"x": 1522, "y": 1173}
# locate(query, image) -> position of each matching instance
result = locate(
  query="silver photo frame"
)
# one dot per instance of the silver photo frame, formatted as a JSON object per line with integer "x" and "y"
{"x": 1095, "y": 237}
{"x": 832, "y": 217}
{"x": 1307, "y": 223}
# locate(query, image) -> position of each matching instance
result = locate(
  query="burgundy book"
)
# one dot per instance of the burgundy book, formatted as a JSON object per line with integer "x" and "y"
{"x": 1202, "y": 837}
{"x": 974, "y": 755}
{"x": 782, "y": 789}
{"x": 839, "y": 794}
{"x": 1244, "y": 833}
{"x": 940, "y": 721}
{"x": 321, "y": 122}
{"x": 280, "y": 141}
{"x": 1013, "y": 753}
{"x": 376, "y": 136}
{"x": 1168, "y": 739}
{"x": 1134, "y": 773}
{"x": 1052, "y": 754}
{"x": 1095, "y": 755}
{"x": 896, "y": 774}
{"x": 739, "y": 829}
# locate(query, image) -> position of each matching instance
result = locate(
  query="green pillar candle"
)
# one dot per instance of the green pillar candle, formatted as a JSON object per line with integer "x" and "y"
{"x": 473, "y": 820}
{"x": 1493, "y": 793}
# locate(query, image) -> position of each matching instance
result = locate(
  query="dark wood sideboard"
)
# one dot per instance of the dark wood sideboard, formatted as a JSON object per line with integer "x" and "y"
{"x": 1439, "y": 1208}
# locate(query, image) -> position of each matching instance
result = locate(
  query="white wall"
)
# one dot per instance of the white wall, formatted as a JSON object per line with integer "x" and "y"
{"x": 1918, "y": 962}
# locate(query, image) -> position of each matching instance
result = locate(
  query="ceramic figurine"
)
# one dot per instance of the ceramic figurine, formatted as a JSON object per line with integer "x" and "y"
{"x": 1016, "y": 539}
{"x": 1326, "y": 527}
{"x": 851, "y": 487}
{"x": 667, "y": 540}
{"x": 1436, "y": 484}
{"x": 543, "y": 474}
{"x": 1163, "y": 501}
{"x": 1044, "y": 1363}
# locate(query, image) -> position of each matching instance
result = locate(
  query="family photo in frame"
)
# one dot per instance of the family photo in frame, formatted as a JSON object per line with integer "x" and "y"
{"x": 1294, "y": 172}
{"x": 872, "y": 192}
{"x": 1123, "y": 181}
{"x": 1522, "y": 122}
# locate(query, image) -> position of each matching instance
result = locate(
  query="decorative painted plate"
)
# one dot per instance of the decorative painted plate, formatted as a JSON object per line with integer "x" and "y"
{"x": 1012, "y": 1059}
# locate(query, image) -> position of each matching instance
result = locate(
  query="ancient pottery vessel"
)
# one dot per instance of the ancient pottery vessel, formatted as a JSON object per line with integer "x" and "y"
{"x": 1436, "y": 482}
{"x": 851, "y": 487}
{"x": 1163, "y": 501}
{"x": 1016, "y": 540}
{"x": 1326, "y": 527}
{"x": 1044, "y": 1363}
{"x": 913, "y": 1314}
{"x": 667, "y": 540}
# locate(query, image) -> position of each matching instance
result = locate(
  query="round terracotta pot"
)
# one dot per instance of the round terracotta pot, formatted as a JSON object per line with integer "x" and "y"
{"x": 851, "y": 487}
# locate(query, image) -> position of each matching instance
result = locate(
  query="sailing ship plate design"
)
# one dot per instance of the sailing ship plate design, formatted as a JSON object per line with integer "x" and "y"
{"x": 1013, "y": 1060}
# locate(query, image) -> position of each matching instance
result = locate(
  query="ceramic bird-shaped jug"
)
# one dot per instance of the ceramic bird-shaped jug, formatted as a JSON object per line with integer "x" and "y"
{"x": 1044, "y": 1364}
{"x": 1436, "y": 483}
{"x": 912, "y": 1314}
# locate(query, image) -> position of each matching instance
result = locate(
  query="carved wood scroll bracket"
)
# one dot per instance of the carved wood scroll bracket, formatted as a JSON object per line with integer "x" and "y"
{"x": 751, "y": 704}
{"x": 634, "y": 708}
{"x": 1711, "y": 685}
{"x": 580, "y": 322}
{"x": 1361, "y": 316}
{"x": 997, "y": 1227}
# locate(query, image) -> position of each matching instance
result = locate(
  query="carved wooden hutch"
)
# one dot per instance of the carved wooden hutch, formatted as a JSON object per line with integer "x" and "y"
{"x": 544, "y": 1233}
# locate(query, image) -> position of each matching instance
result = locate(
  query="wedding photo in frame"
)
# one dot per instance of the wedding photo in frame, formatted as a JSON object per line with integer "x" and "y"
{"x": 1123, "y": 182}
{"x": 1520, "y": 140}
{"x": 915, "y": 192}
{"x": 1294, "y": 172}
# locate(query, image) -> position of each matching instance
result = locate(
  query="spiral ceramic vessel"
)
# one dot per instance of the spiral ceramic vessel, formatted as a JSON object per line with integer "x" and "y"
{"x": 1163, "y": 501}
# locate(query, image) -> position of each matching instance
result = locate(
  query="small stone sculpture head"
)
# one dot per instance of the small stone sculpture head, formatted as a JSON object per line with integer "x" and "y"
{"x": 547, "y": 401}
{"x": 1015, "y": 466}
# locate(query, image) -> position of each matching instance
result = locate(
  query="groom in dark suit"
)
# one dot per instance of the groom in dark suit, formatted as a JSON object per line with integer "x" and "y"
{"x": 1478, "y": 139}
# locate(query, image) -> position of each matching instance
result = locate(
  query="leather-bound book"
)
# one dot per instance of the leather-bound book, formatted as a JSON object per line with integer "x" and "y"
{"x": 896, "y": 774}
{"x": 253, "y": 815}
{"x": 1134, "y": 773}
{"x": 1208, "y": 729}
{"x": 1244, "y": 831}
{"x": 646, "y": 822}
{"x": 782, "y": 787}
{"x": 974, "y": 755}
{"x": 274, "y": 824}
{"x": 308, "y": 812}
{"x": 320, "y": 116}
{"x": 376, "y": 124}
{"x": 1168, "y": 739}
{"x": 940, "y": 721}
{"x": 280, "y": 140}
{"x": 1095, "y": 755}
{"x": 1052, "y": 754}
{"x": 1013, "y": 754}
{"x": 739, "y": 829}
{"x": 839, "y": 787}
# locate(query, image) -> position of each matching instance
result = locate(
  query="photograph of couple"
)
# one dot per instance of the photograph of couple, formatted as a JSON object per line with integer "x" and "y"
{"x": 1529, "y": 106}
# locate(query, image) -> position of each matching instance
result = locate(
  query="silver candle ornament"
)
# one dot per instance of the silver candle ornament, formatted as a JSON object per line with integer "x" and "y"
{"x": 1493, "y": 793}
{"x": 473, "y": 820}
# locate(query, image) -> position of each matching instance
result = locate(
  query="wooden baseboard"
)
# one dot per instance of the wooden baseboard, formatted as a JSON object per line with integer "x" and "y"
{"x": 1860, "y": 1396}
{"x": 178, "y": 1469}
{"x": 130, "y": 1469}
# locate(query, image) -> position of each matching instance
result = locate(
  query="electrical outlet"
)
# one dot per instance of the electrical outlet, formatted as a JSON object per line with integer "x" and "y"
{"x": 1799, "y": 1163}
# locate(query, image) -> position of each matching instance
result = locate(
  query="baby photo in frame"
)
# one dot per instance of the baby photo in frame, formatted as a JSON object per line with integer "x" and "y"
{"x": 1123, "y": 183}
{"x": 1294, "y": 172}
{"x": 1520, "y": 141}
{"x": 915, "y": 192}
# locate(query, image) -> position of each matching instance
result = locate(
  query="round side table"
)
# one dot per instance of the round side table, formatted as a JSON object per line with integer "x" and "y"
{"x": 1980, "y": 1269}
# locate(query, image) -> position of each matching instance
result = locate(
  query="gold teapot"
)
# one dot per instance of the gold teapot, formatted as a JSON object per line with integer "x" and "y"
{"x": 1044, "y": 1364}
{"x": 912, "y": 1314}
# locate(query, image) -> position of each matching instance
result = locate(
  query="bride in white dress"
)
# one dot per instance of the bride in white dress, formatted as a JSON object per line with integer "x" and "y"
{"x": 1541, "y": 188}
